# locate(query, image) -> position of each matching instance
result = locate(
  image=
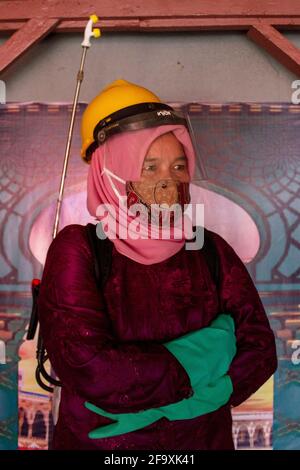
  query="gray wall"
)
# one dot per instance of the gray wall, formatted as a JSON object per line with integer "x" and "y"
{"x": 204, "y": 66}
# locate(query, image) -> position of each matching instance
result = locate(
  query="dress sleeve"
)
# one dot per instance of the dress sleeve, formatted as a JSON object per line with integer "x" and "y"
{"x": 256, "y": 359}
{"x": 88, "y": 359}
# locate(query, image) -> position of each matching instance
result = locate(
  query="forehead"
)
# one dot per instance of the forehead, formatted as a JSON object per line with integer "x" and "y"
{"x": 164, "y": 144}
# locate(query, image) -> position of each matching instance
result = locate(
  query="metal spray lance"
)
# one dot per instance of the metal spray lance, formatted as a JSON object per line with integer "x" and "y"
{"x": 41, "y": 353}
{"x": 88, "y": 33}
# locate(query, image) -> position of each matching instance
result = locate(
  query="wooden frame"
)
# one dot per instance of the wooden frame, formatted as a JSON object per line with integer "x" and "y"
{"x": 30, "y": 21}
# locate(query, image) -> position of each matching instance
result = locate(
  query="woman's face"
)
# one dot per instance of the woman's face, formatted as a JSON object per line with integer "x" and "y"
{"x": 165, "y": 164}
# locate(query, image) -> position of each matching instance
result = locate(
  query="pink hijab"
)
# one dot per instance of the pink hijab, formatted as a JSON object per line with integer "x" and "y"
{"x": 123, "y": 155}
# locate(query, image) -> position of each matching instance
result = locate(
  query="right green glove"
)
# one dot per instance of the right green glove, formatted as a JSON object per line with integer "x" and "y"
{"x": 204, "y": 400}
{"x": 206, "y": 354}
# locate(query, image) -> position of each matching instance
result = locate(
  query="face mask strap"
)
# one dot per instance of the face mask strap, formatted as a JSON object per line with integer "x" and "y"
{"x": 111, "y": 175}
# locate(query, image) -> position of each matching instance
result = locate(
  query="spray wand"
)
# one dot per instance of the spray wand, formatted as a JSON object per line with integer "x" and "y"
{"x": 41, "y": 354}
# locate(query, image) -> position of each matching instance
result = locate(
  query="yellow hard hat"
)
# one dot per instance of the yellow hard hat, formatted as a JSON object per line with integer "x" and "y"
{"x": 116, "y": 96}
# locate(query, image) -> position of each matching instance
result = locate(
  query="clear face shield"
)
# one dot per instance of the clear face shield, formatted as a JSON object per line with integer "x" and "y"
{"x": 161, "y": 191}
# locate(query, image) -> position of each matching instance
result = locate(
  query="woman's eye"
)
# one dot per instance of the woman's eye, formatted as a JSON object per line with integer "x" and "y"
{"x": 180, "y": 167}
{"x": 149, "y": 167}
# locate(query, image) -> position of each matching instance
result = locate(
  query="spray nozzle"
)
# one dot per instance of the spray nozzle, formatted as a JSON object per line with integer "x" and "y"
{"x": 90, "y": 32}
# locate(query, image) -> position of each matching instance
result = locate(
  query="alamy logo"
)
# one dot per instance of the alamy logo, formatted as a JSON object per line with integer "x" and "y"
{"x": 296, "y": 94}
{"x": 296, "y": 354}
{"x": 164, "y": 113}
{"x": 2, "y": 92}
{"x": 169, "y": 223}
{"x": 2, "y": 352}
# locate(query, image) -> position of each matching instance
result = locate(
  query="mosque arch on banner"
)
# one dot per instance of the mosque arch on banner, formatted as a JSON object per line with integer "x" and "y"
{"x": 264, "y": 190}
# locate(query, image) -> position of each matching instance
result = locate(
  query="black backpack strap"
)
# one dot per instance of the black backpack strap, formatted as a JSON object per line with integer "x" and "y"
{"x": 209, "y": 253}
{"x": 102, "y": 254}
{"x": 211, "y": 256}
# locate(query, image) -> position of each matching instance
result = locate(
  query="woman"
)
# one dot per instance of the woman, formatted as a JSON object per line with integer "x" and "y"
{"x": 115, "y": 350}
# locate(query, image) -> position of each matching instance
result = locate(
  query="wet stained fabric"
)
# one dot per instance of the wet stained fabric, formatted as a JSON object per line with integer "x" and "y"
{"x": 114, "y": 357}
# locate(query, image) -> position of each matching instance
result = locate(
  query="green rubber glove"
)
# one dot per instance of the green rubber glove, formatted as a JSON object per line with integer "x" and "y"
{"x": 206, "y": 355}
{"x": 125, "y": 422}
{"x": 206, "y": 400}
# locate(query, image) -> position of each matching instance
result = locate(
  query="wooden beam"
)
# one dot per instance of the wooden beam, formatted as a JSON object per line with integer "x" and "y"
{"x": 31, "y": 32}
{"x": 182, "y": 24}
{"x": 277, "y": 45}
{"x": 164, "y": 24}
{"x": 31, "y": 20}
{"x": 106, "y": 9}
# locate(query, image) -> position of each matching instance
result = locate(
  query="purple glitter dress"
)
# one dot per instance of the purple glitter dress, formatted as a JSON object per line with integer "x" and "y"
{"x": 117, "y": 360}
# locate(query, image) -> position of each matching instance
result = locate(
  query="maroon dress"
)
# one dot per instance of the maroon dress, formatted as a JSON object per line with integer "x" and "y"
{"x": 116, "y": 359}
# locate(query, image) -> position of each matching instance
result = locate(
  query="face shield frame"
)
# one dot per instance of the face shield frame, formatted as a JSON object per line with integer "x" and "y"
{"x": 132, "y": 118}
{"x": 142, "y": 116}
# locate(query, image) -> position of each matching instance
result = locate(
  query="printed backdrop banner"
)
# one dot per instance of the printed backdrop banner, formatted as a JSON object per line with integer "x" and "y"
{"x": 251, "y": 196}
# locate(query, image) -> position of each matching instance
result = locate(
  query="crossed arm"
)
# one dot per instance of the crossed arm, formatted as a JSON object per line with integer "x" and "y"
{"x": 129, "y": 377}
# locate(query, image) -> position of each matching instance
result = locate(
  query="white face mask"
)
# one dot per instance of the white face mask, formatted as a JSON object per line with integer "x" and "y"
{"x": 111, "y": 175}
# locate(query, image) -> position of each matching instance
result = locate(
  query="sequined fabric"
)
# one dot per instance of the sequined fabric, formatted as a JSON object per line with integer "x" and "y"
{"x": 116, "y": 358}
